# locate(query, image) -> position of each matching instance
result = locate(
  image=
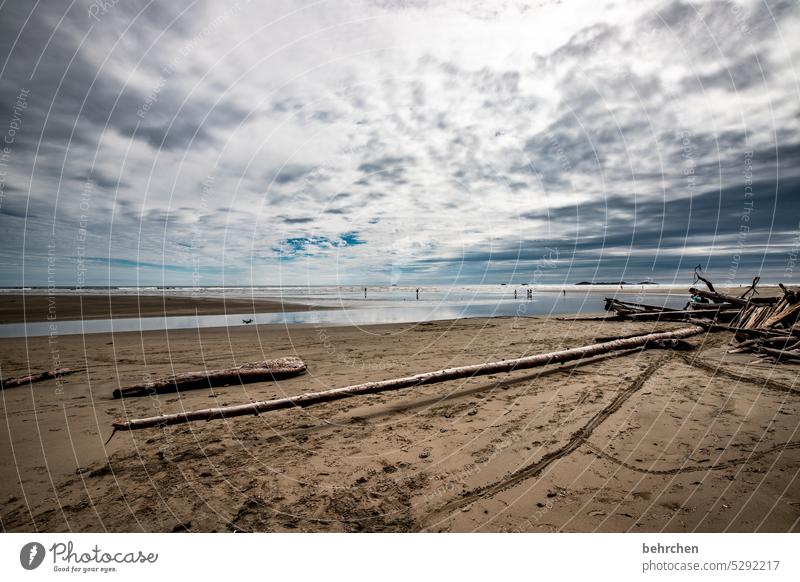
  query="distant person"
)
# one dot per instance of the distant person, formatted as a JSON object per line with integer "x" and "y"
{"x": 417, "y": 294}
{"x": 365, "y": 292}
{"x": 515, "y": 293}
{"x": 564, "y": 291}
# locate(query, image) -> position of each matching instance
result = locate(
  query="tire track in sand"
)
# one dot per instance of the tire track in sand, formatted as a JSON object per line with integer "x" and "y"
{"x": 789, "y": 445}
{"x": 578, "y": 438}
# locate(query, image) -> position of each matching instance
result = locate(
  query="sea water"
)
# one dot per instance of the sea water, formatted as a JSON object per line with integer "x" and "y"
{"x": 382, "y": 305}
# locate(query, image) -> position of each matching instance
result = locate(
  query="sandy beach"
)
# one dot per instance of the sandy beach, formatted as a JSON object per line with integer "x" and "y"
{"x": 649, "y": 441}
{"x": 19, "y": 308}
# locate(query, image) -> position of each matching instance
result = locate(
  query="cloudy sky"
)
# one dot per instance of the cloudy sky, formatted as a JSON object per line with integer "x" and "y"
{"x": 398, "y": 141}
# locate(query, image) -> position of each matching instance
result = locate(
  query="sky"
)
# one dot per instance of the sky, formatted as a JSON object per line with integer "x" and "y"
{"x": 412, "y": 142}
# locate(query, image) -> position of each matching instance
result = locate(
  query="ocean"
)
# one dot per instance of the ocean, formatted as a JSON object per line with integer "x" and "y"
{"x": 382, "y": 305}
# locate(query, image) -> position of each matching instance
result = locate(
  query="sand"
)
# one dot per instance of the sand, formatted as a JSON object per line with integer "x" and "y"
{"x": 649, "y": 441}
{"x": 76, "y": 307}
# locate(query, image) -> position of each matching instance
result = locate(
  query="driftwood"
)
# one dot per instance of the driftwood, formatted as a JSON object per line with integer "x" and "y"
{"x": 711, "y": 306}
{"x": 680, "y": 315}
{"x": 779, "y": 354}
{"x": 788, "y": 294}
{"x": 784, "y": 342}
{"x": 744, "y": 346}
{"x": 22, "y": 380}
{"x": 303, "y": 400}
{"x": 698, "y": 277}
{"x": 752, "y": 289}
{"x": 720, "y": 297}
{"x": 251, "y": 372}
{"x": 610, "y": 338}
{"x": 767, "y": 326}
{"x": 752, "y": 332}
{"x": 613, "y": 304}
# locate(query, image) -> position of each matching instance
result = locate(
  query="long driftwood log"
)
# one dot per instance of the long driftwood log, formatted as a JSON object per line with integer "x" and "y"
{"x": 681, "y": 315}
{"x": 475, "y": 370}
{"x": 252, "y": 372}
{"x": 612, "y": 304}
{"x": 38, "y": 377}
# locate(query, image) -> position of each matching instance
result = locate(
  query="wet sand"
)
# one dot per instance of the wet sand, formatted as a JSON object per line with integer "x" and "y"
{"x": 649, "y": 441}
{"x": 19, "y": 308}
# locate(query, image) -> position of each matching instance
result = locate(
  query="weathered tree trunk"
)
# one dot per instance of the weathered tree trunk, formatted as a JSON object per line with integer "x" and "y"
{"x": 252, "y": 372}
{"x": 711, "y": 306}
{"x": 681, "y": 315}
{"x": 784, "y": 342}
{"x": 720, "y": 297}
{"x": 699, "y": 277}
{"x": 751, "y": 332}
{"x": 309, "y": 399}
{"x": 22, "y": 380}
{"x": 612, "y": 304}
{"x": 779, "y": 354}
{"x": 745, "y": 346}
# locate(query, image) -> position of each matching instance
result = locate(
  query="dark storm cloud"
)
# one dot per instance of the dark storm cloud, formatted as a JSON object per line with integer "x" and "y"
{"x": 772, "y": 206}
{"x": 676, "y": 14}
{"x": 102, "y": 180}
{"x": 289, "y": 174}
{"x": 128, "y": 263}
{"x": 747, "y": 71}
{"x": 299, "y": 220}
{"x": 21, "y": 205}
{"x": 619, "y": 228}
{"x": 386, "y": 169}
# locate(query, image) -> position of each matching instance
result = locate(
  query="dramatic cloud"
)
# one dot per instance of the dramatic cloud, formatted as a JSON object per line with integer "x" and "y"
{"x": 384, "y": 142}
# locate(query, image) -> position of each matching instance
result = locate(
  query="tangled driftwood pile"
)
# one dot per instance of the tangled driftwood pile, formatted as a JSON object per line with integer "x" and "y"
{"x": 767, "y": 326}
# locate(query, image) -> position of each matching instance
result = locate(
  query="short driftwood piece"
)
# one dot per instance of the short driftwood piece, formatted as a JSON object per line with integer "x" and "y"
{"x": 48, "y": 375}
{"x": 778, "y": 355}
{"x": 277, "y": 369}
{"x": 303, "y": 400}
